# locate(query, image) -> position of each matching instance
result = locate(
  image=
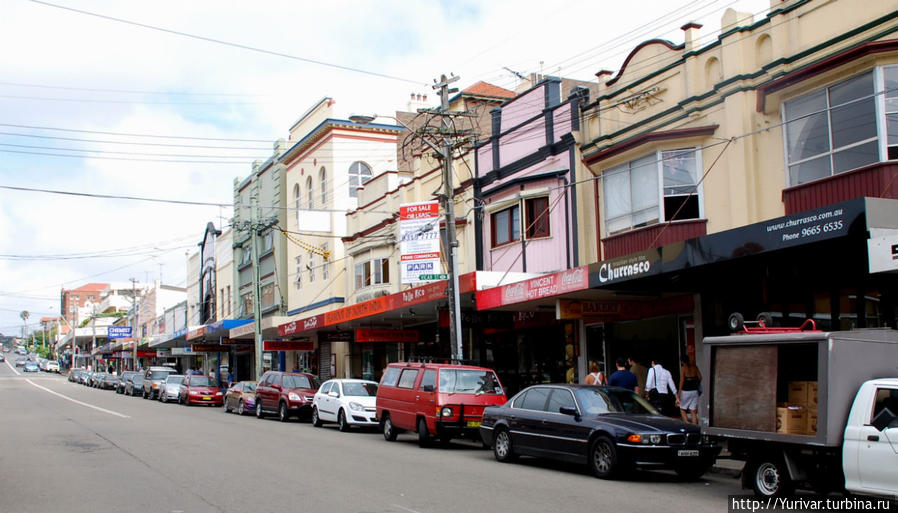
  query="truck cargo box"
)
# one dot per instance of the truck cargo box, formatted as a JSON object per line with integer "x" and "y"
{"x": 806, "y": 379}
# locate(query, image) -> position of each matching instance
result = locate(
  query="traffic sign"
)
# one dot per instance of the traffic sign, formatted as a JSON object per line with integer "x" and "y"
{"x": 432, "y": 277}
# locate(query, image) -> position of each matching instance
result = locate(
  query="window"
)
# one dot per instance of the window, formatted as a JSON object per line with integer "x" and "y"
{"x": 891, "y": 108}
{"x": 322, "y": 180}
{"x": 660, "y": 185}
{"x": 407, "y": 379}
{"x": 359, "y": 174}
{"x": 506, "y": 226}
{"x": 247, "y": 301}
{"x": 229, "y": 300}
{"x": 832, "y": 130}
{"x": 535, "y": 399}
{"x": 537, "y": 219}
{"x": 390, "y": 378}
{"x": 297, "y": 200}
{"x": 311, "y": 267}
{"x": 246, "y": 256}
{"x": 372, "y": 272}
{"x": 221, "y": 302}
{"x": 324, "y": 264}
{"x": 885, "y": 398}
{"x": 309, "y": 193}
{"x": 298, "y": 279}
{"x": 429, "y": 379}
{"x": 268, "y": 242}
{"x": 267, "y": 292}
{"x": 559, "y": 399}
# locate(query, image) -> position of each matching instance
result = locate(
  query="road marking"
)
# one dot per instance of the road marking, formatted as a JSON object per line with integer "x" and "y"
{"x": 406, "y": 509}
{"x": 67, "y": 398}
{"x": 11, "y": 367}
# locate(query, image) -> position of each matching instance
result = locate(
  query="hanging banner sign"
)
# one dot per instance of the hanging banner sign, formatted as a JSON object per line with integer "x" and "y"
{"x": 287, "y": 345}
{"x": 419, "y": 240}
{"x": 386, "y": 335}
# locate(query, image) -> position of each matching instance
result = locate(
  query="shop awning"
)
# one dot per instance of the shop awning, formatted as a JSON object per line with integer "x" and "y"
{"x": 176, "y": 339}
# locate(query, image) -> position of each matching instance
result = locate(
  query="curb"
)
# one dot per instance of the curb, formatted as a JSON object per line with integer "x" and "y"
{"x": 727, "y": 469}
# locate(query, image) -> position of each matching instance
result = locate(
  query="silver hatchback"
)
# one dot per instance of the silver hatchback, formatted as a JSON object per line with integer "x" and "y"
{"x": 171, "y": 387}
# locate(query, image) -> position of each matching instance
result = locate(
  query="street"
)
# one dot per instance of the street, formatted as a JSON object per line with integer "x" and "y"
{"x": 109, "y": 452}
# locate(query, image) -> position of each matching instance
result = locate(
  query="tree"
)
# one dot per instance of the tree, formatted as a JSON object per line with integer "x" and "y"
{"x": 24, "y": 315}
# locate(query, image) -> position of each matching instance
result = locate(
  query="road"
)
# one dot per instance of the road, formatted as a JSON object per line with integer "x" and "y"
{"x": 68, "y": 448}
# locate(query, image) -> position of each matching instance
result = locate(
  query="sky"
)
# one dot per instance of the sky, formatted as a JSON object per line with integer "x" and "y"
{"x": 172, "y": 100}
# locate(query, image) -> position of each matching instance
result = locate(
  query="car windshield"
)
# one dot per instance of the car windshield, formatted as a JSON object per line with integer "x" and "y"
{"x": 299, "y": 381}
{"x": 600, "y": 401}
{"x": 453, "y": 381}
{"x": 158, "y": 374}
{"x": 360, "y": 389}
{"x": 249, "y": 387}
{"x": 200, "y": 381}
{"x": 137, "y": 379}
{"x": 174, "y": 379}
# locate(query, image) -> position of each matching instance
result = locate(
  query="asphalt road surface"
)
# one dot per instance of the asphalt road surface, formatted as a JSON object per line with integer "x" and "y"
{"x": 68, "y": 448}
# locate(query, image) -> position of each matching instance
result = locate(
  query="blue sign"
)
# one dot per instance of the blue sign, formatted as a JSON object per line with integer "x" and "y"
{"x": 118, "y": 332}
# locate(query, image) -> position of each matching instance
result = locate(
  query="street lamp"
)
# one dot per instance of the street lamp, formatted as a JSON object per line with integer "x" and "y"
{"x": 445, "y": 153}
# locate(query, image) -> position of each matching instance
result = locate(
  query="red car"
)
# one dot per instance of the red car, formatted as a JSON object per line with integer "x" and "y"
{"x": 436, "y": 400}
{"x": 200, "y": 390}
{"x": 289, "y": 394}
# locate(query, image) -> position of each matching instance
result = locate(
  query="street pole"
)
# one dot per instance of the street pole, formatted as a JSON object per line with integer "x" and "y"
{"x": 93, "y": 329}
{"x": 134, "y": 318}
{"x": 74, "y": 326}
{"x": 449, "y": 205}
{"x": 255, "y": 216}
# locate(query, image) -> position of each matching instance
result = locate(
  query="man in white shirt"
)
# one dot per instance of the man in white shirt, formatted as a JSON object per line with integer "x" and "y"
{"x": 659, "y": 379}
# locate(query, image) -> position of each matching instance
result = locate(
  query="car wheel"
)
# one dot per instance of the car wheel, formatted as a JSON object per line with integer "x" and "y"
{"x": 259, "y": 413}
{"x": 769, "y": 477}
{"x": 282, "y": 413}
{"x": 423, "y": 435}
{"x": 502, "y": 447}
{"x": 603, "y": 458}
{"x": 388, "y": 428}
{"x": 224, "y": 404}
{"x": 240, "y": 408}
{"x": 316, "y": 420}
{"x": 341, "y": 421}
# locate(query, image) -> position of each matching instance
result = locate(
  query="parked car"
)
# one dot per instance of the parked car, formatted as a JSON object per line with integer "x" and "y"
{"x": 286, "y": 393}
{"x": 2, "y": 358}
{"x": 436, "y": 400}
{"x": 134, "y": 385}
{"x": 171, "y": 388}
{"x": 31, "y": 367}
{"x": 97, "y": 379}
{"x": 608, "y": 428}
{"x": 153, "y": 378}
{"x": 110, "y": 382}
{"x": 42, "y": 364}
{"x": 241, "y": 397}
{"x": 87, "y": 377}
{"x": 120, "y": 389}
{"x": 198, "y": 389}
{"x": 348, "y": 402}
{"x": 20, "y": 361}
{"x": 52, "y": 366}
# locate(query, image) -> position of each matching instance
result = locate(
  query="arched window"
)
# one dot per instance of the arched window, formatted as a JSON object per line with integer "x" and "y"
{"x": 309, "y": 194}
{"x": 322, "y": 178}
{"x": 296, "y": 199}
{"x": 359, "y": 174}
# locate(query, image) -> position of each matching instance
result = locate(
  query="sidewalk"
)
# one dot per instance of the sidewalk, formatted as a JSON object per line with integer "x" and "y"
{"x": 728, "y": 467}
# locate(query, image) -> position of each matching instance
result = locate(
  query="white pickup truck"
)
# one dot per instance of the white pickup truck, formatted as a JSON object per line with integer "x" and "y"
{"x": 843, "y": 436}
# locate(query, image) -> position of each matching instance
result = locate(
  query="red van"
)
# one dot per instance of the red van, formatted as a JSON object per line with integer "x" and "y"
{"x": 436, "y": 400}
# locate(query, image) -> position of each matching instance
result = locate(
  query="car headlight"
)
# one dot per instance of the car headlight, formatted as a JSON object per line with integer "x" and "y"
{"x": 217, "y": 393}
{"x": 645, "y": 439}
{"x": 445, "y": 411}
{"x": 294, "y": 397}
{"x": 155, "y": 385}
{"x": 356, "y": 407}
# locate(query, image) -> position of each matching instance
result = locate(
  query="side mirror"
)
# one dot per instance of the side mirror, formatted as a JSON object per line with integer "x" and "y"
{"x": 427, "y": 388}
{"x": 883, "y": 419}
{"x": 333, "y": 394}
{"x": 569, "y": 410}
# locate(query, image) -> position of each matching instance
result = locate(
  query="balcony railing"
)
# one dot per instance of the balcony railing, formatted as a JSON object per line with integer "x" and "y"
{"x": 878, "y": 180}
{"x": 647, "y": 237}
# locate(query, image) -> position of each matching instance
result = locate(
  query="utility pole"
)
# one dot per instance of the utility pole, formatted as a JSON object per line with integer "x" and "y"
{"x": 134, "y": 327}
{"x": 257, "y": 295}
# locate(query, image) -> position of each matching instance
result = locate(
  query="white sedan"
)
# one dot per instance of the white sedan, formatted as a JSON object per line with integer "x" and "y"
{"x": 348, "y": 402}
{"x": 52, "y": 366}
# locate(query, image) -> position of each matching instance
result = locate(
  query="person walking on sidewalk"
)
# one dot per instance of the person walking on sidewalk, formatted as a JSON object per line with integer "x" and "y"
{"x": 690, "y": 381}
{"x": 595, "y": 377}
{"x": 661, "y": 389}
{"x": 623, "y": 378}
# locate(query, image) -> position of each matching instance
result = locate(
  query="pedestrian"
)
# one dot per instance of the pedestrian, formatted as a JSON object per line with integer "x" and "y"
{"x": 296, "y": 367}
{"x": 640, "y": 371}
{"x": 690, "y": 383}
{"x": 661, "y": 389}
{"x": 595, "y": 376}
{"x": 230, "y": 378}
{"x": 623, "y": 378}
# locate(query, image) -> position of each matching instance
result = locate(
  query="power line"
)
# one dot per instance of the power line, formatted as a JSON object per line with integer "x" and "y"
{"x": 96, "y": 100}
{"x": 125, "y": 91}
{"x": 228, "y": 43}
{"x": 99, "y": 157}
{"x": 132, "y": 143}
{"x": 132, "y": 134}
{"x": 244, "y": 157}
{"x": 113, "y": 196}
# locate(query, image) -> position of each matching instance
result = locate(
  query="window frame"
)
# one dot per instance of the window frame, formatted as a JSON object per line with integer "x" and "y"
{"x": 322, "y": 179}
{"x": 529, "y": 217}
{"x": 513, "y": 235}
{"x": 297, "y": 280}
{"x": 374, "y": 271}
{"x": 362, "y": 178}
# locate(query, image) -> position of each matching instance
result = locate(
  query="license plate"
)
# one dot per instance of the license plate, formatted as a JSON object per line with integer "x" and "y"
{"x": 473, "y": 423}
{"x": 205, "y": 398}
{"x": 687, "y": 452}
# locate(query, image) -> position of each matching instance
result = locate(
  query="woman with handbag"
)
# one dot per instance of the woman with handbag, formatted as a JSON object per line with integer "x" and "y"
{"x": 690, "y": 383}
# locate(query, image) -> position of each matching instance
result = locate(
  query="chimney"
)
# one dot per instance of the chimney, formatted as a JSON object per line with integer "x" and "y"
{"x": 691, "y": 35}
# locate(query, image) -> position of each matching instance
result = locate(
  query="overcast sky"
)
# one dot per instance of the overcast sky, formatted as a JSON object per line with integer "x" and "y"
{"x": 82, "y": 81}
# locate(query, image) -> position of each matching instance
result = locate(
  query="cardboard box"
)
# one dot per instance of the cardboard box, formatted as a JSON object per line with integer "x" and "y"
{"x": 798, "y": 392}
{"x": 812, "y": 394}
{"x": 791, "y": 419}
{"x": 811, "y": 427}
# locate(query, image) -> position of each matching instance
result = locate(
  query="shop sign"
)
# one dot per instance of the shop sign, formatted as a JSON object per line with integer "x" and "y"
{"x": 118, "y": 331}
{"x": 288, "y": 345}
{"x": 419, "y": 240}
{"x": 626, "y": 310}
{"x": 235, "y": 341}
{"x": 242, "y": 331}
{"x": 244, "y": 348}
{"x": 196, "y": 333}
{"x": 568, "y": 309}
{"x": 163, "y": 352}
{"x": 181, "y": 351}
{"x": 386, "y": 335}
{"x": 542, "y": 287}
{"x": 207, "y": 348}
{"x": 882, "y": 253}
{"x": 624, "y": 268}
{"x": 525, "y": 320}
{"x": 146, "y": 354}
{"x": 335, "y": 336}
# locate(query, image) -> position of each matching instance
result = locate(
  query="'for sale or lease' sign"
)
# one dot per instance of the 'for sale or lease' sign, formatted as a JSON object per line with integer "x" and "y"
{"x": 419, "y": 245}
